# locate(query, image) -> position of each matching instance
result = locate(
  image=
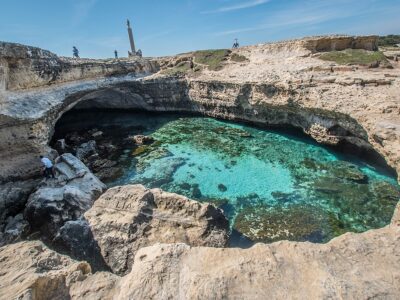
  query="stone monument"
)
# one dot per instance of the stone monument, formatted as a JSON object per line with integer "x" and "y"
{"x": 132, "y": 42}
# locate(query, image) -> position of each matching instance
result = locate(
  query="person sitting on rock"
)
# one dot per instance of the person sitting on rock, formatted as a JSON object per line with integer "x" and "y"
{"x": 48, "y": 167}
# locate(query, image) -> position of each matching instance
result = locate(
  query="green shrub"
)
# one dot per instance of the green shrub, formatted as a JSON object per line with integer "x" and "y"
{"x": 211, "y": 58}
{"x": 389, "y": 40}
{"x": 179, "y": 69}
{"x": 238, "y": 58}
{"x": 354, "y": 57}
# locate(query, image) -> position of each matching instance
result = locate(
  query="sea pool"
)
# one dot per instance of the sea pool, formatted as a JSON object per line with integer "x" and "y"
{"x": 271, "y": 185}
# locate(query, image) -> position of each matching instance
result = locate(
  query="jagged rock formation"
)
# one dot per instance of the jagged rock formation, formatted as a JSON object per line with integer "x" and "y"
{"x": 279, "y": 84}
{"x": 127, "y": 218}
{"x": 345, "y": 268}
{"x": 27, "y": 67}
{"x": 29, "y": 270}
{"x": 63, "y": 199}
{"x": 355, "y": 266}
{"x": 13, "y": 199}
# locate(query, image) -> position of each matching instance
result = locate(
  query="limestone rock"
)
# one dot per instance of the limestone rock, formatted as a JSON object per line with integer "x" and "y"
{"x": 281, "y": 84}
{"x": 353, "y": 266}
{"x": 63, "y": 199}
{"x": 142, "y": 139}
{"x": 126, "y": 218}
{"x": 29, "y": 270}
{"x": 13, "y": 197}
{"x": 99, "y": 286}
{"x": 321, "y": 134}
{"x": 28, "y": 67}
{"x": 62, "y": 147}
{"x": 86, "y": 149}
{"x": 97, "y": 134}
{"x": 75, "y": 238}
{"x": 15, "y": 229}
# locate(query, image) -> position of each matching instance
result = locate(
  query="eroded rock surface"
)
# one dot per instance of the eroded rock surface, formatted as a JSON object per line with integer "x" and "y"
{"x": 362, "y": 266}
{"x": 127, "y": 218}
{"x": 277, "y": 84}
{"x": 281, "y": 83}
{"x": 29, "y": 270}
{"x": 63, "y": 199}
{"x": 353, "y": 266}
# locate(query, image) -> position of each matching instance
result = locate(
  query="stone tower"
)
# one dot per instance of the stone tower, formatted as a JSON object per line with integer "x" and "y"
{"x": 132, "y": 42}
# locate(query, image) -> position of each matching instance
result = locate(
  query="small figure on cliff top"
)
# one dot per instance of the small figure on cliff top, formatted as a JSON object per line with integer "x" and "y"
{"x": 116, "y": 53}
{"x": 75, "y": 52}
{"x": 47, "y": 167}
{"x": 235, "y": 44}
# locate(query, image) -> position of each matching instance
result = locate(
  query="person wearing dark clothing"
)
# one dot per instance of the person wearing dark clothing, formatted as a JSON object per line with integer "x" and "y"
{"x": 47, "y": 167}
{"x": 75, "y": 52}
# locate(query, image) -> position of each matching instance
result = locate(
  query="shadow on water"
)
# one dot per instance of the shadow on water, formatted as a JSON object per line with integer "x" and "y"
{"x": 118, "y": 121}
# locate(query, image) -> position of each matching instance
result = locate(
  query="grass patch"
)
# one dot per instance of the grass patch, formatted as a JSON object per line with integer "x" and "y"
{"x": 212, "y": 58}
{"x": 389, "y": 40}
{"x": 180, "y": 69}
{"x": 238, "y": 58}
{"x": 354, "y": 57}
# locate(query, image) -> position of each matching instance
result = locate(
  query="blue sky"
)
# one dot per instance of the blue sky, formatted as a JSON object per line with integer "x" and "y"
{"x": 164, "y": 27}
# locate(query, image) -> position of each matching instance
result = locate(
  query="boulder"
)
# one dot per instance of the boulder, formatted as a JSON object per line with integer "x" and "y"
{"x": 347, "y": 171}
{"x": 29, "y": 270}
{"x": 127, "y": 218}
{"x": 142, "y": 139}
{"x": 97, "y": 134}
{"x": 75, "y": 238}
{"x": 60, "y": 146}
{"x": 13, "y": 197}
{"x": 98, "y": 286}
{"x": 107, "y": 174}
{"x": 66, "y": 198}
{"x": 15, "y": 229}
{"x": 86, "y": 149}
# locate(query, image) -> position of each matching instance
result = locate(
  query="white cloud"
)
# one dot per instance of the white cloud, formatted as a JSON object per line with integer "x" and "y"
{"x": 308, "y": 13}
{"x": 238, "y": 6}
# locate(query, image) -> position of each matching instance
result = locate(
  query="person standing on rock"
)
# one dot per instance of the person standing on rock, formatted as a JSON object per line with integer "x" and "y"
{"x": 75, "y": 52}
{"x": 48, "y": 167}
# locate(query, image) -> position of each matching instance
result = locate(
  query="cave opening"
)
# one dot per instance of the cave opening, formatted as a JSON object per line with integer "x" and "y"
{"x": 272, "y": 183}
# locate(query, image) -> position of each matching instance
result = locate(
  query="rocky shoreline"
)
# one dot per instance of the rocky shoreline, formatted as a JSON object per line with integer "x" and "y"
{"x": 157, "y": 244}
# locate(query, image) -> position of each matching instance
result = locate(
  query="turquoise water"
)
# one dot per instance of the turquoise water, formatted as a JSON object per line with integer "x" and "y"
{"x": 271, "y": 185}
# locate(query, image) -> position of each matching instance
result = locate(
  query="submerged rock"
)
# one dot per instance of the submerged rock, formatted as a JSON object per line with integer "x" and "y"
{"x": 156, "y": 176}
{"x": 347, "y": 171}
{"x": 297, "y": 223}
{"x": 63, "y": 199}
{"x": 127, "y": 218}
{"x": 222, "y": 187}
{"x": 142, "y": 139}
